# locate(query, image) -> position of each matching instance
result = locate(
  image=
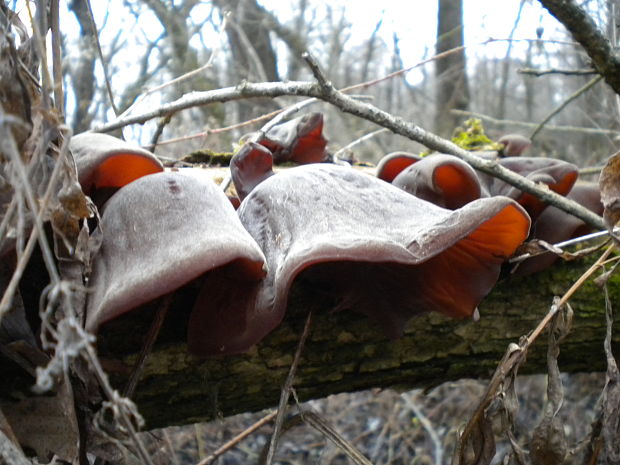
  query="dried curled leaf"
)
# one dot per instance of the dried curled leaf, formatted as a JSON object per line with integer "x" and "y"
{"x": 476, "y": 444}
{"x": 47, "y": 424}
{"x": 611, "y": 392}
{"x": 548, "y": 445}
{"x": 609, "y": 183}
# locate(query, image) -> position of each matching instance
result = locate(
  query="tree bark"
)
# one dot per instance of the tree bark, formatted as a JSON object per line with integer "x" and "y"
{"x": 452, "y": 90}
{"x": 346, "y": 353}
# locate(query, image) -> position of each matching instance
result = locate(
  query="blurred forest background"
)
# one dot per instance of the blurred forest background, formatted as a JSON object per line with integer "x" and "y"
{"x": 435, "y": 64}
{"x": 518, "y": 67}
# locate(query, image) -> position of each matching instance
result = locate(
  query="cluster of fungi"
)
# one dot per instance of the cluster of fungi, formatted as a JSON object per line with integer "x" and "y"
{"x": 425, "y": 234}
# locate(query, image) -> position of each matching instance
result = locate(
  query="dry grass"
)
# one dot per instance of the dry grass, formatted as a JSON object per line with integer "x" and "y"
{"x": 382, "y": 425}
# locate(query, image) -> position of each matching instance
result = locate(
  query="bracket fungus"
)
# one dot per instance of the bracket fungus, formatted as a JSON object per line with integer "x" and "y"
{"x": 163, "y": 231}
{"x": 513, "y": 145}
{"x": 558, "y": 175}
{"x": 299, "y": 140}
{"x": 554, "y": 226}
{"x": 392, "y": 164}
{"x": 444, "y": 180}
{"x": 250, "y": 166}
{"x": 376, "y": 249}
{"x": 105, "y": 164}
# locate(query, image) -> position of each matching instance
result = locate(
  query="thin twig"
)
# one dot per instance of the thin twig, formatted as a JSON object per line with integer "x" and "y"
{"x": 106, "y": 78}
{"x": 591, "y": 170}
{"x": 57, "y": 57}
{"x": 563, "y": 244}
{"x": 37, "y": 209}
{"x": 181, "y": 78}
{"x": 526, "y": 124}
{"x": 565, "y": 103}
{"x": 515, "y": 355}
{"x": 316, "y": 422}
{"x": 161, "y": 124}
{"x": 428, "y": 426}
{"x": 147, "y": 347}
{"x": 358, "y": 141}
{"x": 114, "y": 398}
{"x": 286, "y": 391}
{"x": 39, "y": 42}
{"x": 237, "y": 439}
{"x": 328, "y": 93}
{"x": 565, "y": 72}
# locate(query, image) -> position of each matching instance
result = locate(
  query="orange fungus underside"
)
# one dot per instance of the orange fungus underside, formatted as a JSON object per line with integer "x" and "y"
{"x": 457, "y": 187}
{"x": 488, "y": 246}
{"x": 119, "y": 170}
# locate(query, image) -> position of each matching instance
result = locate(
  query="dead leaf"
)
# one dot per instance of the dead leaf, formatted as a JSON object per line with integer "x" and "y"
{"x": 611, "y": 394}
{"x": 47, "y": 424}
{"x": 548, "y": 445}
{"x": 476, "y": 445}
{"x": 609, "y": 184}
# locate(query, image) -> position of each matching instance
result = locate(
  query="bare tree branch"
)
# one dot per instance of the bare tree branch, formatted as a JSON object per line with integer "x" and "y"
{"x": 565, "y": 72}
{"x": 328, "y": 93}
{"x": 594, "y": 42}
{"x": 526, "y": 124}
{"x": 565, "y": 103}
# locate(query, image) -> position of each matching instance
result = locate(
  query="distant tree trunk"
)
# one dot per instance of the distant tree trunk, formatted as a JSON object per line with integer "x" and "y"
{"x": 452, "y": 91}
{"x": 83, "y": 73}
{"x": 254, "y": 58}
{"x": 505, "y": 77}
{"x": 249, "y": 40}
{"x": 294, "y": 65}
{"x": 529, "y": 84}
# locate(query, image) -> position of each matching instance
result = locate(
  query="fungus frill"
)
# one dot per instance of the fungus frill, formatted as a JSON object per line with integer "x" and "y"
{"x": 375, "y": 248}
{"x": 448, "y": 181}
{"x": 105, "y": 164}
{"x": 165, "y": 230}
{"x": 513, "y": 145}
{"x": 558, "y": 175}
{"x": 250, "y": 166}
{"x": 444, "y": 180}
{"x": 299, "y": 140}
{"x": 554, "y": 226}
{"x": 392, "y": 164}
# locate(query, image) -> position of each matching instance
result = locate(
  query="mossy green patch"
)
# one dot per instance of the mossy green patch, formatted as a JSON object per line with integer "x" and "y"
{"x": 208, "y": 157}
{"x": 473, "y": 138}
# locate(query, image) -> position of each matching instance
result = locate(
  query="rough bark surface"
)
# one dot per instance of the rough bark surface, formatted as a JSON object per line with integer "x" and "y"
{"x": 346, "y": 353}
{"x": 585, "y": 31}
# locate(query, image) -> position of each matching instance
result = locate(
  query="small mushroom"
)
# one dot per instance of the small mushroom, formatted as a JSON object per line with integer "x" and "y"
{"x": 374, "y": 248}
{"x": 392, "y": 164}
{"x": 251, "y": 165}
{"x": 558, "y": 175}
{"x": 444, "y": 180}
{"x": 514, "y": 145}
{"x": 554, "y": 226}
{"x": 105, "y": 164}
{"x": 163, "y": 231}
{"x": 300, "y": 140}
